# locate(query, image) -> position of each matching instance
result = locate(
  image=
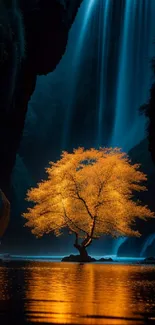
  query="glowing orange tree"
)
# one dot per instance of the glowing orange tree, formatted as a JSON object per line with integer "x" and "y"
{"x": 90, "y": 192}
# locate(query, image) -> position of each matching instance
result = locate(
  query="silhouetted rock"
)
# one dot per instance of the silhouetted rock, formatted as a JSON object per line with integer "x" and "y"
{"x": 149, "y": 260}
{"x": 33, "y": 39}
{"x": 102, "y": 259}
{"x": 77, "y": 258}
{"x": 133, "y": 246}
{"x": 149, "y": 110}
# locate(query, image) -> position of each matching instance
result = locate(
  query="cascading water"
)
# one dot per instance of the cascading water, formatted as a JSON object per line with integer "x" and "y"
{"x": 83, "y": 23}
{"x": 104, "y": 40}
{"x": 132, "y": 81}
{"x": 148, "y": 242}
{"x": 123, "y": 30}
{"x": 117, "y": 244}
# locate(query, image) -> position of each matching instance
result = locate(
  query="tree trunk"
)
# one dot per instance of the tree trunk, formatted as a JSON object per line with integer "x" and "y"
{"x": 83, "y": 252}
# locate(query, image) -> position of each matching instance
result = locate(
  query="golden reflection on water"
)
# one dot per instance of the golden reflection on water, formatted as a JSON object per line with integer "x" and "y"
{"x": 88, "y": 294}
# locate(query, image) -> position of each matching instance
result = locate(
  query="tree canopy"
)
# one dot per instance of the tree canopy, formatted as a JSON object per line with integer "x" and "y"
{"x": 90, "y": 192}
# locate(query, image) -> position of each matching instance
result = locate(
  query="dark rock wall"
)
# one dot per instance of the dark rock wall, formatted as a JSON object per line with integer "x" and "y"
{"x": 33, "y": 39}
{"x": 149, "y": 110}
{"x": 140, "y": 154}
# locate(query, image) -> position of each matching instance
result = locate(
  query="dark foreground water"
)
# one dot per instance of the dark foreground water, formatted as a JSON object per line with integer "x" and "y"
{"x": 55, "y": 292}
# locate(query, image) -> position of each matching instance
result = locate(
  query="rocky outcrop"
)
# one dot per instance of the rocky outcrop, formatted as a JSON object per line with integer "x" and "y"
{"x": 134, "y": 246}
{"x": 77, "y": 258}
{"x": 4, "y": 213}
{"x": 33, "y": 39}
{"x": 149, "y": 260}
{"x": 149, "y": 110}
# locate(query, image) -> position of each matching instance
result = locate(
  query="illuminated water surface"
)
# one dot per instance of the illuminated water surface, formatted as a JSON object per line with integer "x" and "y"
{"x": 45, "y": 292}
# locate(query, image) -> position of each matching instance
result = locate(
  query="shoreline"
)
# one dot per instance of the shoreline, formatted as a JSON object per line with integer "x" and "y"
{"x": 58, "y": 259}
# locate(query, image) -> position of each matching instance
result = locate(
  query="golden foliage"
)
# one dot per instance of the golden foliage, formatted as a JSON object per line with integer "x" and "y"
{"x": 91, "y": 193}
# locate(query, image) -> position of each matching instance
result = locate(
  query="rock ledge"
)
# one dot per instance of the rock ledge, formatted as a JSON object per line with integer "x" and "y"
{"x": 77, "y": 258}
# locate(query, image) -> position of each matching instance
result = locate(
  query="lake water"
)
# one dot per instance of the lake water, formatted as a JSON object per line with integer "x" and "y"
{"x": 57, "y": 293}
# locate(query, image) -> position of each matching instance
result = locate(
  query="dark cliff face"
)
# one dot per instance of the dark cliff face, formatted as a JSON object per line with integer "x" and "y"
{"x": 33, "y": 39}
{"x": 149, "y": 110}
{"x": 151, "y": 127}
{"x": 140, "y": 154}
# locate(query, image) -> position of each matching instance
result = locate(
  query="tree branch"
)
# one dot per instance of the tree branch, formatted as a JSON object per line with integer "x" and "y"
{"x": 104, "y": 182}
{"x": 71, "y": 221}
{"x": 81, "y": 198}
{"x": 87, "y": 241}
{"x": 76, "y": 239}
{"x": 93, "y": 227}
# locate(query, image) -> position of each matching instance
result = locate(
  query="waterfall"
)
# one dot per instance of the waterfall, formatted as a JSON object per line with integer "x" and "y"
{"x": 132, "y": 81}
{"x": 104, "y": 29}
{"x": 122, "y": 32}
{"x": 148, "y": 242}
{"x": 117, "y": 244}
{"x": 82, "y": 26}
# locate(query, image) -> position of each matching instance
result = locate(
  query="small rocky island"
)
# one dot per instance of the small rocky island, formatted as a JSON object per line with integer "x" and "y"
{"x": 77, "y": 258}
{"x": 149, "y": 260}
